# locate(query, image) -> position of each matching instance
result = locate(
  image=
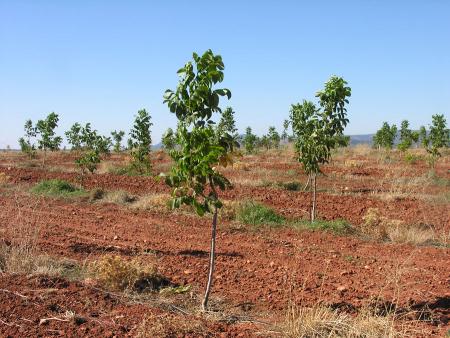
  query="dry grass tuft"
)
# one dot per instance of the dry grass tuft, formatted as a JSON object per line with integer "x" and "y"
{"x": 380, "y": 227}
{"x": 354, "y": 163}
{"x": 25, "y": 259}
{"x": 241, "y": 166}
{"x": 228, "y": 210}
{"x": 117, "y": 273}
{"x": 321, "y": 321}
{"x": 168, "y": 325}
{"x": 118, "y": 197}
{"x": 4, "y": 179}
{"x": 158, "y": 202}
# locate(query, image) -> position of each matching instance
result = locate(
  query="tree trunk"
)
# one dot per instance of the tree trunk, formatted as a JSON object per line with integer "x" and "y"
{"x": 212, "y": 256}
{"x": 313, "y": 207}
{"x": 307, "y": 183}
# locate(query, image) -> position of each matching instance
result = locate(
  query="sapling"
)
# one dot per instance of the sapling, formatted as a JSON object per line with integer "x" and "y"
{"x": 438, "y": 138}
{"x": 141, "y": 142}
{"x": 274, "y": 138}
{"x": 26, "y": 144}
{"x": 117, "y": 137}
{"x": 91, "y": 146}
{"x": 316, "y": 129}
{"x": 195, "y": 178}
{"x": 249, "y": 140}
{"x": 168, "y": 139}
{"x": 46, "y": 131}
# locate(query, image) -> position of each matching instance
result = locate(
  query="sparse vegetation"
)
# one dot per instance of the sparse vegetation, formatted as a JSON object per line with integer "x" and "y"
{"x": 117, "y": 273}
{"x": 321, "y": 321}
{"x": 57, "y": 188}
{"x": 253, "y": 213}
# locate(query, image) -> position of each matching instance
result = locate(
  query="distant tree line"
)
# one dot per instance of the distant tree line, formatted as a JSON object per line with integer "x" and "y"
{"x": 433, "y": 140}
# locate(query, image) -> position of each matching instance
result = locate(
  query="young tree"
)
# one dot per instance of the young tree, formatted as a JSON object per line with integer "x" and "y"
{"x": 194, "y": 178}
{"x": 385, "y": 137}
{"x": 93, "y": 147}
{"x": 249, "y": 141}
{"x": 227, "y": 125}
{"x": 73, "y": 136}
{"x": 26, "y": 146}
{"x": 438, "y": 137}
{"x": 141, "y": 142}
{"x": 264, "y": 142}
{"x": 423, "y": 138}
{"x": 168, "y": 139}
{"x": 316, "y": 129}
{"x": 342, "y": 141}
{"x": 406, "y": 136}
{"x": 284, "y": 135}
{"x": 46, "y": 130}
{"x": 117, "y": 137}
{"x": 274, "y": 138}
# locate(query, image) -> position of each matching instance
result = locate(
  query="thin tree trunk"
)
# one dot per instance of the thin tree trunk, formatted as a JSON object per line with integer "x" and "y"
{"x": 313, "y": 208}
{"x": 307, "y": 183}
{"x": 212, "y": 257}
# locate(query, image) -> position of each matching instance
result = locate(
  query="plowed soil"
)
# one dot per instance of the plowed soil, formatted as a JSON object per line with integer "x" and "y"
{"x": 258, "y": 273}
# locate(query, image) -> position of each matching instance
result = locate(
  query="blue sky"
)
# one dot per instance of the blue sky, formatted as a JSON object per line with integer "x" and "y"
{"x": 101, "y": 61}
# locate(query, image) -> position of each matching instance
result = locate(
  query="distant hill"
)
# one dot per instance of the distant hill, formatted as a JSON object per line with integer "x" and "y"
{"x": 358, "y": 139}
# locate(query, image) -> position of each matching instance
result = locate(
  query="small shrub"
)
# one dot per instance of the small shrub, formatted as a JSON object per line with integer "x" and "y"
{"x": 412, "y": 158}
{"x": 116, "y": 273}
{"x": 57, "y": 188}
{"x": 253, "y": 213}
{"x": 292, "y": 186}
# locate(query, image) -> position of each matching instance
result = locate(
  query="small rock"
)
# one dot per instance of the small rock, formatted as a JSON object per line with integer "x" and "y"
{"x": 115, "y": 237}
{"x": 341, "y": 288}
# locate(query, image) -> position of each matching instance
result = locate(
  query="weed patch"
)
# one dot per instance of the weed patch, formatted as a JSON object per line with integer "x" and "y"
{"x": 57, "y": 188}
{"x": 253, "y": 213}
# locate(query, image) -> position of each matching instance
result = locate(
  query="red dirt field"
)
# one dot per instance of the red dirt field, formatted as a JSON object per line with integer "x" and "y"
{"x": 258, "y": 273}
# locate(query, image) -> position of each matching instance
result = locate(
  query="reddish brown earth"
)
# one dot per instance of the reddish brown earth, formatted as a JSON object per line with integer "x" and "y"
{"x": 258, "y": 272}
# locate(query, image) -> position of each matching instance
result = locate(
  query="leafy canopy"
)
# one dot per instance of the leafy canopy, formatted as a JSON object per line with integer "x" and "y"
{"x": 249, "y": 140}
{"x": 141, "y": 141}
{"x": 194, "y": 176}
{"x": 439, "y": 136}
{"x": 385, "y": 136}
{"x": 46, "y": 130}
{"x": 26, "y": 144}
{"x": 117, "y": 137}
{"x": 168, "y": 139}
{"x": 317, "y": 128}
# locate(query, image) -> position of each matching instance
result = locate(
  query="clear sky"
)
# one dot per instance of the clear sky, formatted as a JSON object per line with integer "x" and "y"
{"x": 101, "y": 61}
